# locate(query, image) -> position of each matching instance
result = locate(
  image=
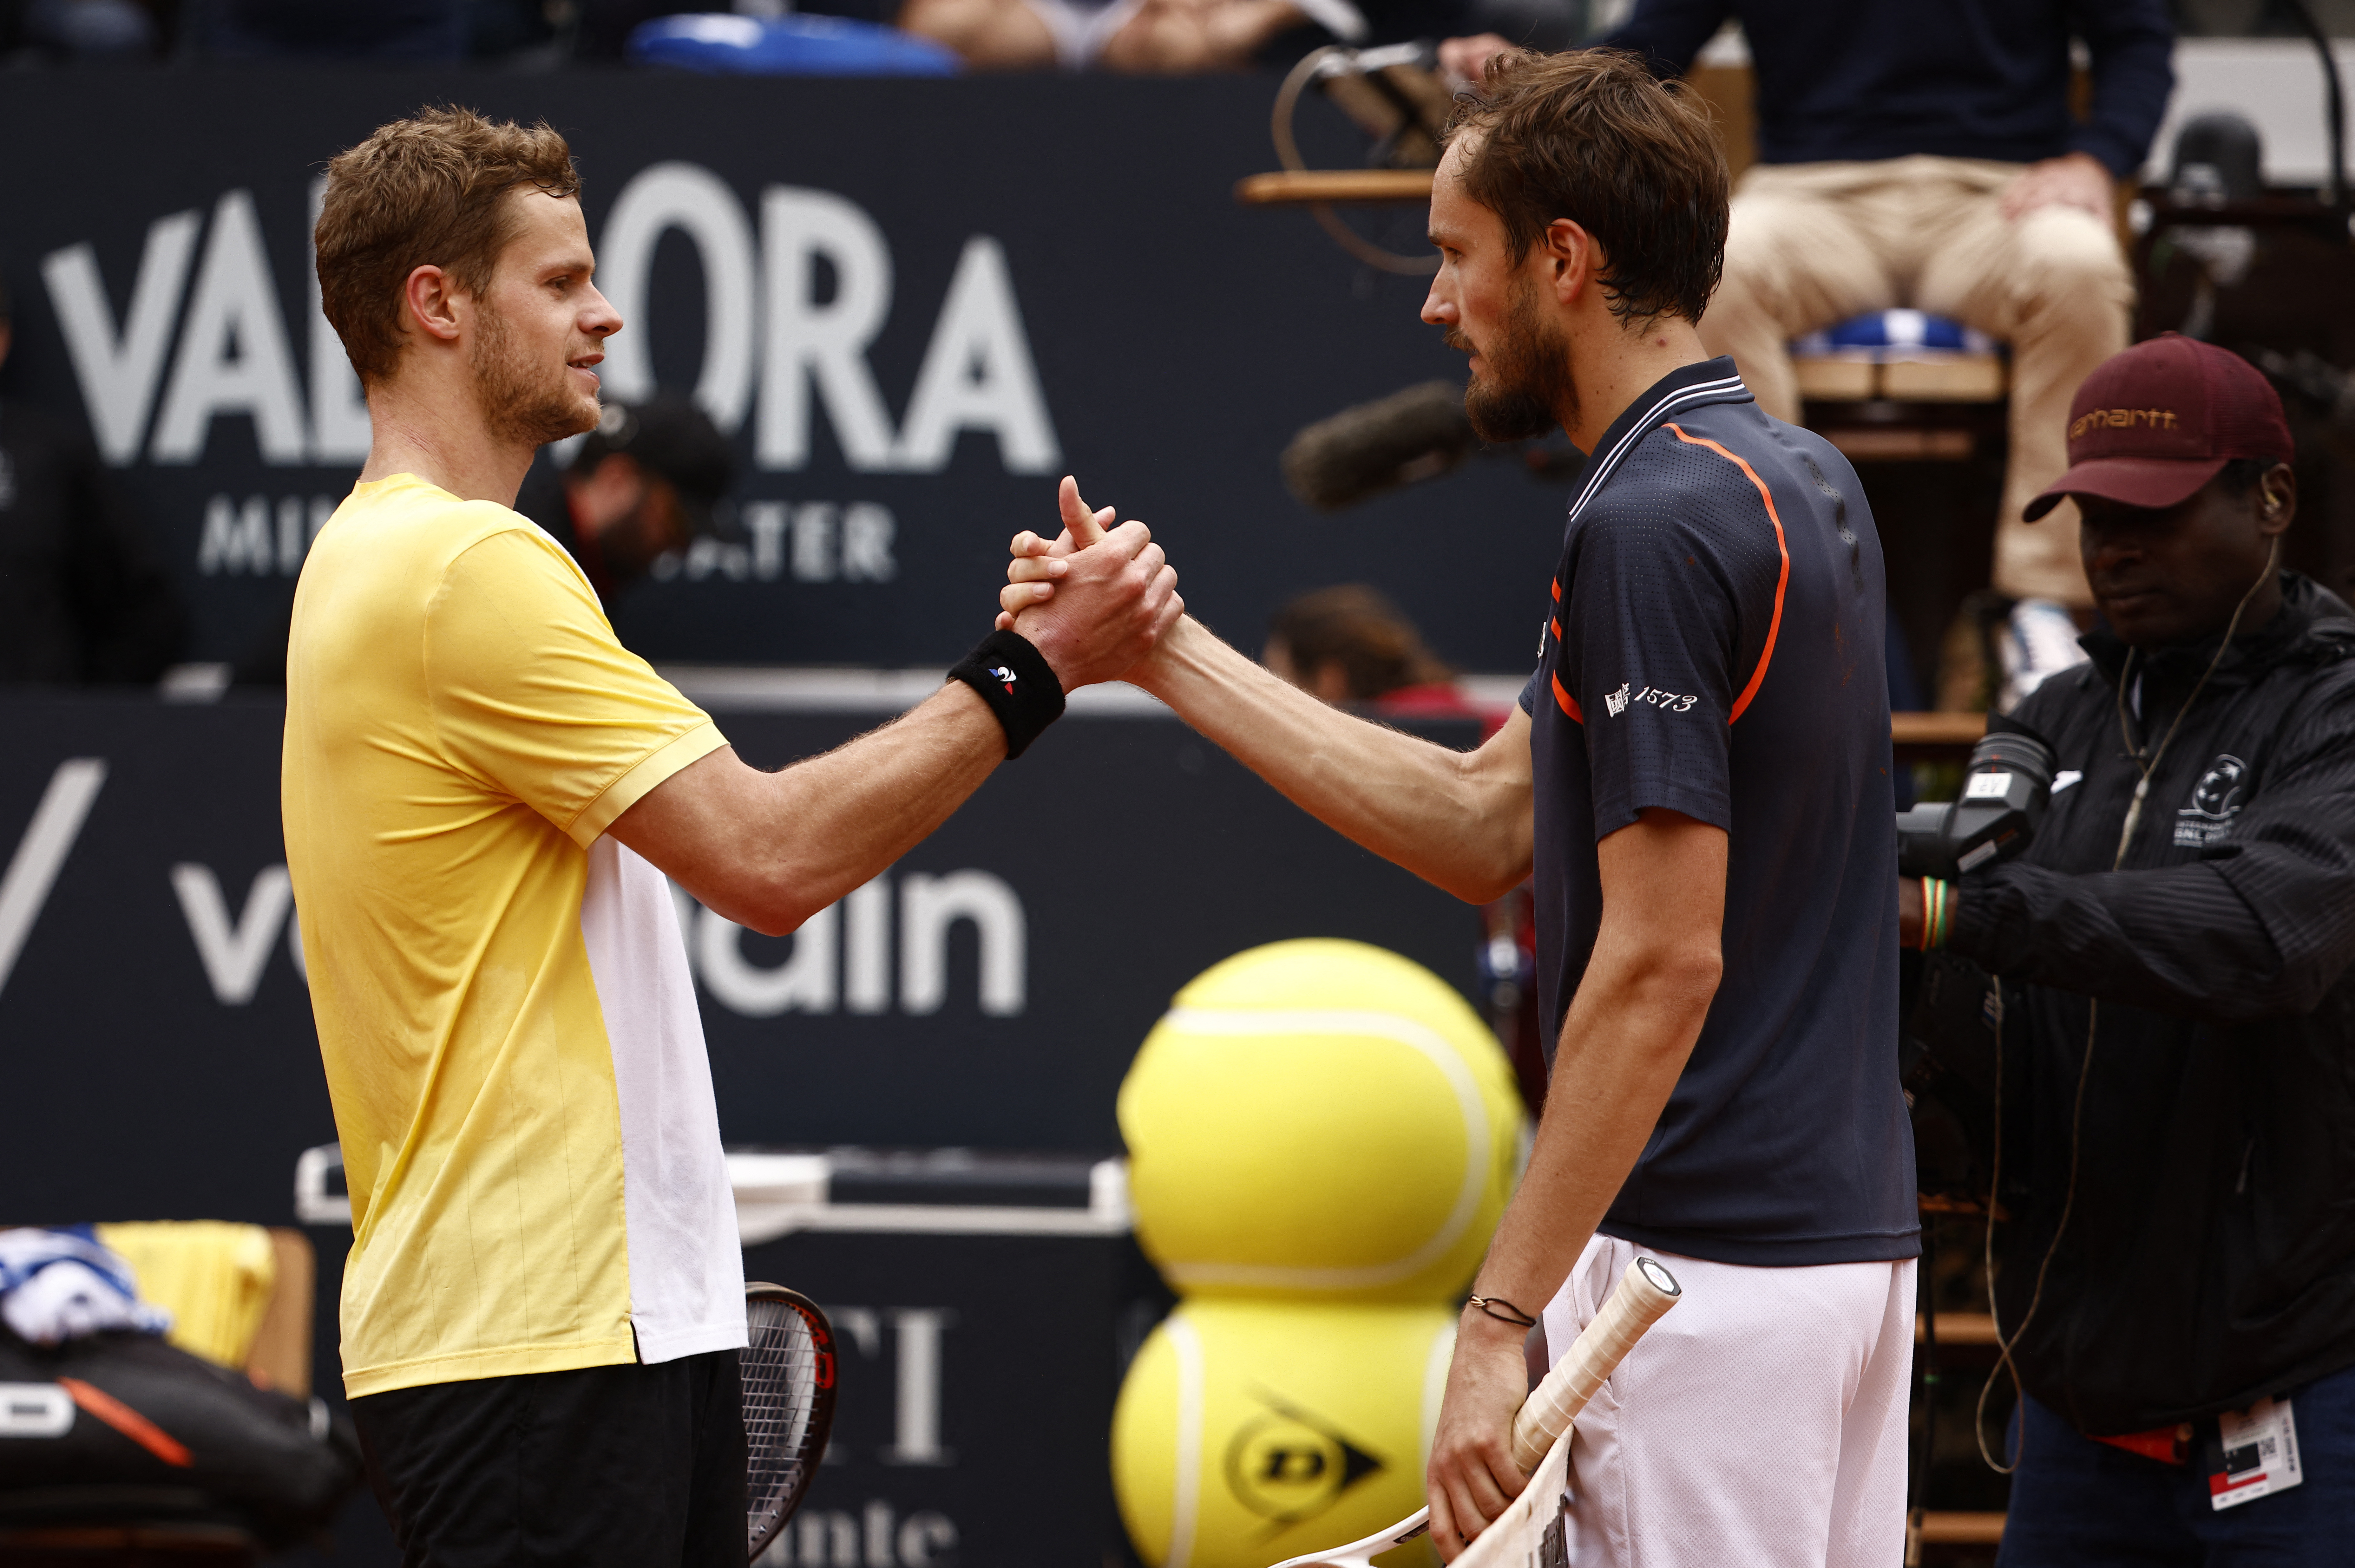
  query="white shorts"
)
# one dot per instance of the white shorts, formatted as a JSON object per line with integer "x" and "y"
{"x": 1762, "y": 1422}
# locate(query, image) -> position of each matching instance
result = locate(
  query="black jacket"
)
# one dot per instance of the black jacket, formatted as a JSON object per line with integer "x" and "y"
{"x": 2209, "y": 1258}
{"x": 1963, "y": 79}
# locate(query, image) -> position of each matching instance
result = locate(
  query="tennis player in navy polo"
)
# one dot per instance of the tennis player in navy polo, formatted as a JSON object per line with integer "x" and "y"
{"x": 1697, "y": 780}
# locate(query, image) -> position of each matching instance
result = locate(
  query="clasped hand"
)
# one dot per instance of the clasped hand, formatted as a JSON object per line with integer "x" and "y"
{"x": 1056, "y": 588}
{"x": 1113, "y": 593}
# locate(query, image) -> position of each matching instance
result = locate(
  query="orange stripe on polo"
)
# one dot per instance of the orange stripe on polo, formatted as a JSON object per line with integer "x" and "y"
{"x": 1774, "y": 625}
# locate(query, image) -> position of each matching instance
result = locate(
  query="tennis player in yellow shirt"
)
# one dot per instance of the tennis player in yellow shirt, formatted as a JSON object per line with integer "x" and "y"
{"x": 483, "y": 794}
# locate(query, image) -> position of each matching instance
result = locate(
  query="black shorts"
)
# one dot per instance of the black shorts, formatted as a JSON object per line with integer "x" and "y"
{"x": 629, "y": 1466}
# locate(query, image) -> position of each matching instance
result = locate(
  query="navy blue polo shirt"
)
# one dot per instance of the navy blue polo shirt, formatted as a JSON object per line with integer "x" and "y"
{"x": 1713, "y": 645}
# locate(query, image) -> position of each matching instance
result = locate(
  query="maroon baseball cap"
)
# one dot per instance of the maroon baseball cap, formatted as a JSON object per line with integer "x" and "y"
{"x": 2151, "y": 425}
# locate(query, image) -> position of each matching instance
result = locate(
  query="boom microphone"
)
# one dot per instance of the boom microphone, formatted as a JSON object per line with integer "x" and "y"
{"x": 1418, "y": 434}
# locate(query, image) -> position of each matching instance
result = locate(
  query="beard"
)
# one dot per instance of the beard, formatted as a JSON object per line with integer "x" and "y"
{"x": 1528, "y": 390}
{"x": 525, "y": 402}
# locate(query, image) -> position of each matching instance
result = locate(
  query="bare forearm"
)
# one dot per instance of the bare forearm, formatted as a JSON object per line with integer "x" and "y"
{"x": 1630, "y": 1029}
{"x": 1454, "y": 819}
{"x": 768, "y": 851}
{"x": 1647, "y": 990}
{"x": 841, "y": 819}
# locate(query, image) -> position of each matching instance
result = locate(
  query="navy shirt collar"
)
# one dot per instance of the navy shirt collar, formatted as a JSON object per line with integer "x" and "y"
{"x": 1714, "y": 380}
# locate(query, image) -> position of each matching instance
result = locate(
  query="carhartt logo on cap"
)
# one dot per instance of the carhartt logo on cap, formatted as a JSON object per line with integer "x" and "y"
{"x": 2122, "y": 418}
{"x": 2152, "y": 425}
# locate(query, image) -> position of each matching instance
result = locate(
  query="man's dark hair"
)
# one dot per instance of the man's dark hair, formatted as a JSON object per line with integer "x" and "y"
{"x": 1594, "y": 137}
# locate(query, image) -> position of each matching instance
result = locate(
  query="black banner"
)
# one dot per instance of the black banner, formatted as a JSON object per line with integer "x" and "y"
{"x": 978, "y": 1375}
{"x": 988, "y": 990}
{"x": 912, "y": 304}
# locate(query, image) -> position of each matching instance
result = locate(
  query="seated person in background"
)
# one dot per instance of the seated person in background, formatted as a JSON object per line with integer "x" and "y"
{"x": 1179, "y": 37}
{"x": 1349, "y": 643}
{"x": 2178, "y": 1277}
{"x": 1925, "y": 156}
{"x": 642, "y": 484}
{"x": 1170, "y": 36}
{"x": 83, "y": 596}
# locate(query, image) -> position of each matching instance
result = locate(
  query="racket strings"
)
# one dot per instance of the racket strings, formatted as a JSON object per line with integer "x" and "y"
{"x": 779, "y": 1370}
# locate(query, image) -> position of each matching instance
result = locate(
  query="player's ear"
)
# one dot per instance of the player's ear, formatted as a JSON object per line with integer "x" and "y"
{"x": 429, "y": 296}
{"x": 1571, "y": 255}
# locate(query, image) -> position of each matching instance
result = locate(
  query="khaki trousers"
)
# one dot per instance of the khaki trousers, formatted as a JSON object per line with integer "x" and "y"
{"x": 1812, "y": 244}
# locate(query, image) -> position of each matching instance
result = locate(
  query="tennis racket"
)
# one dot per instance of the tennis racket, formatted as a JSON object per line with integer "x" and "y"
{"x": 1528, "y": 1533}
{"x": 788, "y": 1372}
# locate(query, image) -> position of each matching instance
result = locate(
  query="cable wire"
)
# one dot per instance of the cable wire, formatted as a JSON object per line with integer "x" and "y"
{"x": 2004, "y": 1342}
{"x": 1287, "y": 153}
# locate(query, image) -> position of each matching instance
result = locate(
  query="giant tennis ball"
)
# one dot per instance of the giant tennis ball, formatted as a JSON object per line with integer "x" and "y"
{"x": 1247, "y": 1432}
{"x": 1319, "y": 1120}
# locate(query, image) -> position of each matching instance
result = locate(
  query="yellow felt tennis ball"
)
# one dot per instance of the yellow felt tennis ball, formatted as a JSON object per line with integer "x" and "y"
{"x": 1247, "y": 1432}
{"x": 1319, "y": 1120}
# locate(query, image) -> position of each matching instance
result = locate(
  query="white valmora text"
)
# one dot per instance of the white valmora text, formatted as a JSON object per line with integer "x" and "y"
{"x": 203, "y": 334}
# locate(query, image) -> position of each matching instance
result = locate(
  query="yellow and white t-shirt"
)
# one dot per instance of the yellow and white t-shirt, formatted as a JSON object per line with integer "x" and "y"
{"x": 503, "y": 1000}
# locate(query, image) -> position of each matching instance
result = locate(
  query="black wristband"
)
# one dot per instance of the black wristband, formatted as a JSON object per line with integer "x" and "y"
{"x": 1511, "y": 1314}
{"x": 1015, "y": 679}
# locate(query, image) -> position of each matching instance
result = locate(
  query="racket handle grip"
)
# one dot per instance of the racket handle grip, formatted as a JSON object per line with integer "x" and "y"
{"x": 1645, "y": 1292}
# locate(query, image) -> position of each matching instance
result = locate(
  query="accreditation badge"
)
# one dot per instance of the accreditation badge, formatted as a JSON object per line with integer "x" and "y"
{"x": 2257, "y": 1453}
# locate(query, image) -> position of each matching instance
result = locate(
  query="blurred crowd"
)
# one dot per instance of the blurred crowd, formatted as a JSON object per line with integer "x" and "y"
{"x": 1145, "y": 36}
{"x": 1155, "y": 36}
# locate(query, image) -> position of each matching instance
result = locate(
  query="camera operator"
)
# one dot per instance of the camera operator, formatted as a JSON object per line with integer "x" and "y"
{"x": 646, "y": 482}
{"x": 2177, "y": 1132}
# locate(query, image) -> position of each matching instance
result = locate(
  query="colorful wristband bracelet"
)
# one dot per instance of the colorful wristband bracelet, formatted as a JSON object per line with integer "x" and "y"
{"x": 1937, "y": 913}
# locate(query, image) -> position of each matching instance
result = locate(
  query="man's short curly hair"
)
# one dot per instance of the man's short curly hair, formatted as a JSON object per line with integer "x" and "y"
{"x": 427, "y": 190}
{"x": 1594, "y": 137}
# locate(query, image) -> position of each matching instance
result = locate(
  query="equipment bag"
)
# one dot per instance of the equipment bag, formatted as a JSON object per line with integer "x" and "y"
{"x": 123, "y": 1428}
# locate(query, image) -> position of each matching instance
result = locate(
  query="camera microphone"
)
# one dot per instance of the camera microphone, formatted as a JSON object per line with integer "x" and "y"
{"x": 1416, "y": 434}
{"x": 2006, "y": 788}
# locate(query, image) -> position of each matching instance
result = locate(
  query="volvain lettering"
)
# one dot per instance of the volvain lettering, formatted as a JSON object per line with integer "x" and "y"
{"x": 804, "y": 983}
{"x": 234, "y": 951}
{"x": 927, "y": 907}
{"x": 41, "y": 853}
{"x": 841, "y": 956}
